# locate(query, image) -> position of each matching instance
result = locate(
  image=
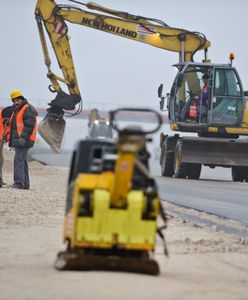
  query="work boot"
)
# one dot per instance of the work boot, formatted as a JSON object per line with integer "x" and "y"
{"x": 15, "y": 186}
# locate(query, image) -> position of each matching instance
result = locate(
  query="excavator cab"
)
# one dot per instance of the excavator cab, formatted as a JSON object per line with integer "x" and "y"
{"x": 205, "y": 95}
{"x": 207, "y": 99}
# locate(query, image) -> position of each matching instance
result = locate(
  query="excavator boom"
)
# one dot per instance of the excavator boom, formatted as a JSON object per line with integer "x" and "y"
{"x": 139, "y": 29}
{"x": 53, "y": 18}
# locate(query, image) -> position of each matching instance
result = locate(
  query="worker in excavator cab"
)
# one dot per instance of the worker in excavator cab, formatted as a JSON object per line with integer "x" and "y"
{"x": 23, "y": 127}
{"x": 199, "y": 108}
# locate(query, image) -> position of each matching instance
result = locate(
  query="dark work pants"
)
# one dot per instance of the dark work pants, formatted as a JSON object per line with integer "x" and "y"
{"x": 21, "y": 178}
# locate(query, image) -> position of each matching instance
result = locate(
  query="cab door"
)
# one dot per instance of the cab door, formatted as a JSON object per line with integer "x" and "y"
{"x": 227, "y": 98}
{"x": 186, "y": 94}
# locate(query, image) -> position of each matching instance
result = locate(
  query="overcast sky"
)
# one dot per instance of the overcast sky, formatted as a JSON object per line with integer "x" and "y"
{"x": 112, "y": 69}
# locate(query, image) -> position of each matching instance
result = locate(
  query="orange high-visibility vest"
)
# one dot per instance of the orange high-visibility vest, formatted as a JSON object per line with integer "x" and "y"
{"x": 4, "y": 133}
{"x": 20, "y": 123}
{"x": 193, "y": 111}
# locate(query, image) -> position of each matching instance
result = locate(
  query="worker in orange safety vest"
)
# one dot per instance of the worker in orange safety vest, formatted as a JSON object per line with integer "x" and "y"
{"x": 199, "y": 108}
{"x": 23, "y": 128}
{"x": 193, "y": 111}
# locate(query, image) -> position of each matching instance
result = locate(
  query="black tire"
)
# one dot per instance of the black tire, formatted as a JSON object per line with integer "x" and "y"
{"x": 167, "y": 161}
{"x": 180, "y": 168}
{"x": 194, "y": 171}
{"x": 240, "y": 174}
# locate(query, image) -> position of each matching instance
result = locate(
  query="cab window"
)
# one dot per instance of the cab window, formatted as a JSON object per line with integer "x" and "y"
{"x": 227, "y": 104}
{"x": 226, "y": 83}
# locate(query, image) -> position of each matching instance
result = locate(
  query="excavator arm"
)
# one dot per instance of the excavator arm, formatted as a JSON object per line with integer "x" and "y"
{"x": 53, "y": 18}
{"x": 52, "y": 127}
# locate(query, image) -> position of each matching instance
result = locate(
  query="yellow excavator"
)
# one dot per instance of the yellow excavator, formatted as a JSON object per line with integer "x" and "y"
{"x": 53, "y": 18}
{"x": 218, "y": 124}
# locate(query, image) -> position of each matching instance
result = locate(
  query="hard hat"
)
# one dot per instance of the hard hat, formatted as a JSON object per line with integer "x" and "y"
{"x": 16, "y": 94}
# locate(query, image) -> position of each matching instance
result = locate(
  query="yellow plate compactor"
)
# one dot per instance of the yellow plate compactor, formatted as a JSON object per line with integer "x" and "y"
{"x": 112, "y": 203}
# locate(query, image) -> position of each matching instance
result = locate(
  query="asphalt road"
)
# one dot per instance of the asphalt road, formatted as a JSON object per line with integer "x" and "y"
{"x": 219, "y": 197}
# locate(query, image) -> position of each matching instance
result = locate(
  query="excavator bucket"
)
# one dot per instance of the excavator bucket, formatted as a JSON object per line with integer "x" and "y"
{"x": 52, "y": 127}
{"x": 52, "y": 130}
{"x": 80, "y": 261}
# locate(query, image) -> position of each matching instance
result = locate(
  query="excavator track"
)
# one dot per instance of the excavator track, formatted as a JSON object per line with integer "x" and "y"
{"x": 78, "y": 260}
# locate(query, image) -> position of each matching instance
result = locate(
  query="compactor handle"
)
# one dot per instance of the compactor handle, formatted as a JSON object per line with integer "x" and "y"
{"x": 134, "y": 130}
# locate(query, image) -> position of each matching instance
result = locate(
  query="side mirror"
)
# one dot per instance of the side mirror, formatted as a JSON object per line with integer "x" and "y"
{"x": 162, "y": 98}
{"x": 161, "y": 103}
{"x": 160, "y": 90}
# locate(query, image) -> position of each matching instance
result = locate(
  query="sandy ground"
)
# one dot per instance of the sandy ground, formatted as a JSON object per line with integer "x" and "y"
{"x": 203, "y": 263}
